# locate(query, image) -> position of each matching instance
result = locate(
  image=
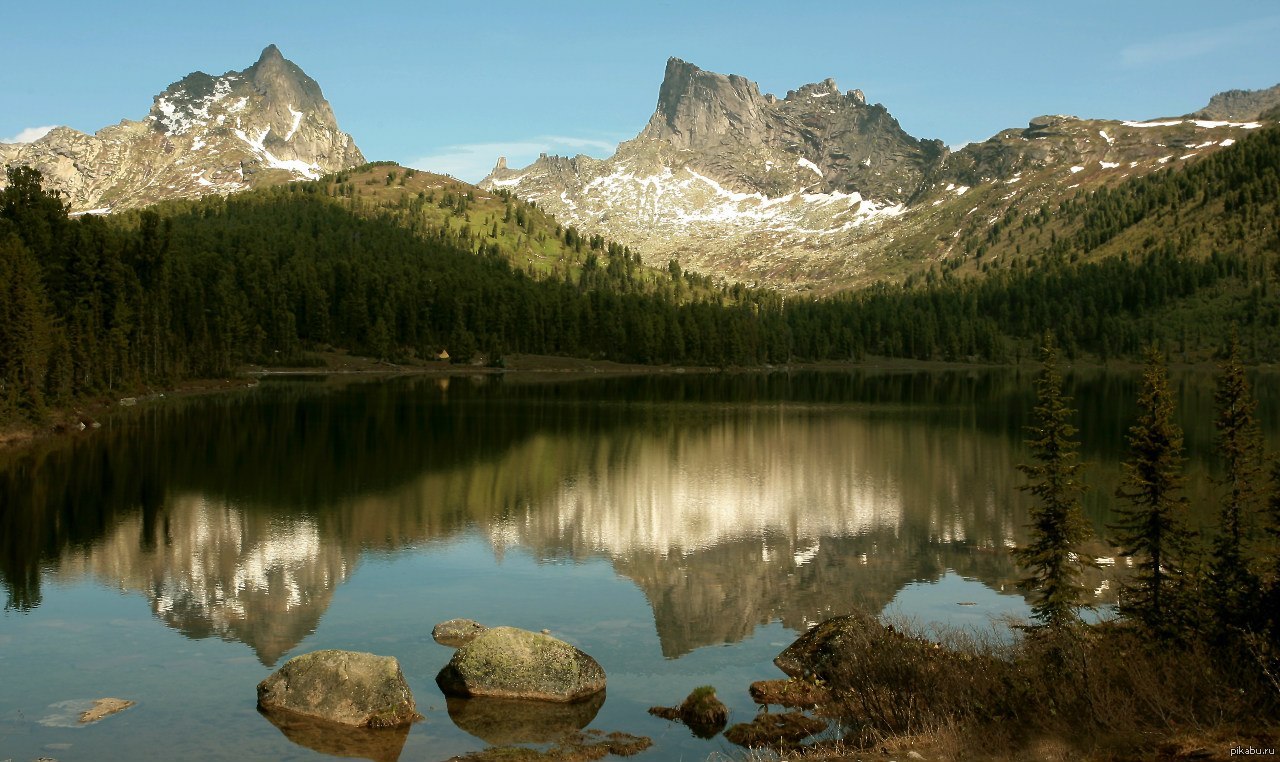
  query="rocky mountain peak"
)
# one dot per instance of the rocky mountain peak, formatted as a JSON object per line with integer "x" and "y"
{"x": 205, "y": 134}
{"x": 699, "y": 108}
{"x": 817, "y": 139}
{"x": 270, "y": 55}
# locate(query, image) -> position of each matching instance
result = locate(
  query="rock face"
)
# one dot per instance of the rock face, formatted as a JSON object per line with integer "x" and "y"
{"x": 1241, "y": 105}
{"x": 506, "y": 662}
{"x": 343, "y": 687}
{"x": 267, "y": 124}
{"x": 457, "y": 632}
{"x": 816, "y": 140}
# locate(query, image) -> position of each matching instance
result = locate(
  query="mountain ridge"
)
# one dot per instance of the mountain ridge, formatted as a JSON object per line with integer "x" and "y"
{"x": 820, "y": 190}
{"x": 204, "y": 134}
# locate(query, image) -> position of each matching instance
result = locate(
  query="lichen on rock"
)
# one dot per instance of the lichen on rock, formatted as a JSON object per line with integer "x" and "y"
{"x": 345, "y": 687}
{"x": 507, "y": 662}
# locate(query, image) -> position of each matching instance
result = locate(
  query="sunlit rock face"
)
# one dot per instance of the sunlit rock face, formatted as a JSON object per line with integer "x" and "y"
{"x": 205, "y": 135}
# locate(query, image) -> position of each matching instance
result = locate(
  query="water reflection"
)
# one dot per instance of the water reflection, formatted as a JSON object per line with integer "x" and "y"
{"x": 729, "y": 501}
{"x": 209, "y": 569}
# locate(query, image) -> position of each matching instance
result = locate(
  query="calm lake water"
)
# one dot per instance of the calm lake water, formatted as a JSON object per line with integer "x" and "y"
{"x": 681, "y": 529}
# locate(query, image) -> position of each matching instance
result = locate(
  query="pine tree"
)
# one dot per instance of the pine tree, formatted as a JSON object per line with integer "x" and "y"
{"x": 1233, "y": 588}
{"x": 1058, "y": 527}
{"x": 1153, "y": 525}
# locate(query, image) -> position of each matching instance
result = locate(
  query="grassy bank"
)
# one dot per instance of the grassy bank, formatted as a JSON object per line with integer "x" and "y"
{"x": 1101, "y": 692}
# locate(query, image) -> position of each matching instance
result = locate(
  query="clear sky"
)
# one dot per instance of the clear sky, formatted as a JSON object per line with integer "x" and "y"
{"x": 450, "y": 86}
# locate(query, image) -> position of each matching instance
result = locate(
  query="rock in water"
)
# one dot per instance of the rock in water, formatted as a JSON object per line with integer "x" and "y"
{"x": 457, "y": 632}
{"x": 104, "y": 707}
{"x": 377, "y": 744}
{"x": 504, "y": 722}
{"x": 702, "y": 712}
{"x": 506, "y": 662}
{"x": 787, "y": 729}
{"x": 346, "y": 687}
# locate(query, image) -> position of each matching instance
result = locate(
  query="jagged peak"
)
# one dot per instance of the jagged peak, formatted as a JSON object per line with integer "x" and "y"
{"x": 270, "y": 54}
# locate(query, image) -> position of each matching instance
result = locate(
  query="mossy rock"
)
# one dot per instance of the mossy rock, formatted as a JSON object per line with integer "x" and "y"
{"x": 345, "y": 687}
{"x": 506, "y": 662}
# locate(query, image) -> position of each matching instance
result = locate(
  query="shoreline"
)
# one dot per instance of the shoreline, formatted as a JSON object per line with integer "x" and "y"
{"x": 86, "y": 414}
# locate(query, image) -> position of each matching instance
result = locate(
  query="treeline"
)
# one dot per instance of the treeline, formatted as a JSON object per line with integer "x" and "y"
{"x": 91, "y": 304}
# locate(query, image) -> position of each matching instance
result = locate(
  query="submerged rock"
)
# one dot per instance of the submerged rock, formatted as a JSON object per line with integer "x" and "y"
{"x": 377, "y": 744}
{"x": 785, "y": 729}
{"x": 345, "y": 687}
{"x": 702, "y": 712}
{"x": 104, "y": 707}
{"x": 457, "y": 632}
{"x": 506, "y": 662}
{"x": 500, "y": 721}
{"x": 576, "y": 747}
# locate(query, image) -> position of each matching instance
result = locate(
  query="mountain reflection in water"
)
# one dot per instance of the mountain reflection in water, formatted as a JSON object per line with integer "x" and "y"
{"x": 730, "y": 502}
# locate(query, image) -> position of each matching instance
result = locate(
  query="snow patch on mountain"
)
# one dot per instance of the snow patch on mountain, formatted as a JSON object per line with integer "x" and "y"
{"x": 1202, "y": 123}
{"x": 297, "y": 120}
{"x": 309, "y": 171}
{"x": 182, "y": 114}
{"x": 803, "y": 162}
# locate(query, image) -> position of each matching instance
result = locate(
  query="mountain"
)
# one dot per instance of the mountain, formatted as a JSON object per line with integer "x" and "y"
{"x": 821, "y": 190}
{"x": 267, "y": 124}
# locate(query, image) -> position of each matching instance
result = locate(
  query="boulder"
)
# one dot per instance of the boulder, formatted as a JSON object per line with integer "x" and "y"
{"x": 506, "y": 662}
{"x": 344, "y": 687}
{"x": 808, "y": 655}
{"x": 457, "y": 632}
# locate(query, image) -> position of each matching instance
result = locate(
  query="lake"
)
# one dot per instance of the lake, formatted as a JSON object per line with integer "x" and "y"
{"x": 681, "y": 529}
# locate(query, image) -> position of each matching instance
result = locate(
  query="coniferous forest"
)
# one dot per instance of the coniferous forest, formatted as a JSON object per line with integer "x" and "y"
{"x": 93, "y": 304}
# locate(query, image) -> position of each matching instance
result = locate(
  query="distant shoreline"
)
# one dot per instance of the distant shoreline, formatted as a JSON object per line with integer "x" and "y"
{"x": 67, "y": 421}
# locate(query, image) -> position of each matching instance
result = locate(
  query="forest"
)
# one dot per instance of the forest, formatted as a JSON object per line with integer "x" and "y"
{"x": 91, "y": 305}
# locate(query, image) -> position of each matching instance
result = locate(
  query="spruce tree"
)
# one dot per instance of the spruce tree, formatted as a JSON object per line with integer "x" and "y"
{"x": 1233, "y": 588}
{"x": 1053, "y": 559}
{"x": 1152, "y": 526}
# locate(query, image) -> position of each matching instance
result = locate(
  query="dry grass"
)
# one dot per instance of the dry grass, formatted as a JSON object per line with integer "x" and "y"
{"x": 1105, "y": 692}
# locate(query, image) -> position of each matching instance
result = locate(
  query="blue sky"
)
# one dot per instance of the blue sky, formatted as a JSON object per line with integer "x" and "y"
{"x": 450, "y": 86}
